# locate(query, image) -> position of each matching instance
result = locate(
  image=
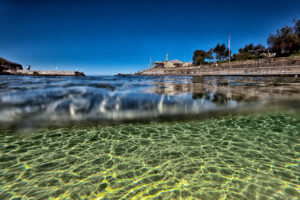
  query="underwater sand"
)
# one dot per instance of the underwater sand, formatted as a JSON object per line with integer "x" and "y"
{"x": 233, "y": 157}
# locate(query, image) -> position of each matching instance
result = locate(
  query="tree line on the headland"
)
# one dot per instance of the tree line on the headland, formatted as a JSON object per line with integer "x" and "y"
{"x": 285, "y": 42}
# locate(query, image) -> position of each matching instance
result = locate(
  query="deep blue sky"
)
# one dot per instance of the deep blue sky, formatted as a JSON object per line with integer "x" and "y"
{"x": 107, "y": 37}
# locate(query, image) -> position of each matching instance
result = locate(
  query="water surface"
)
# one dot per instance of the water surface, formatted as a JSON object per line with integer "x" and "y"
{"x": 220, "y": 138}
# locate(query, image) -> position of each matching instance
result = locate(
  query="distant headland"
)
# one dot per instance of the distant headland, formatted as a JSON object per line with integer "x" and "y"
{"x": 12, "y": 68}
{"x": 281, "y": 58}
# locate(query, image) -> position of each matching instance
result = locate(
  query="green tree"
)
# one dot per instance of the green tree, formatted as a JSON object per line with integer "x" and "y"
{"x": 200, "y": 56}
{"x": 286, "y": 40}
{"x": 209, "y": 54}
{"x": 220, "y": 51}
{"x": 249, "y": 52}
{"x": 297, "y": 27}
{"x": 200, "y": 61}
{"x": 246, "y": 49}
{"x": 297, "y": 32}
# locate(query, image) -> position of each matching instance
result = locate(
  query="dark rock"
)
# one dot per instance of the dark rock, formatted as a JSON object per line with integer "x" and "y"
{"x": 6, "y": 65}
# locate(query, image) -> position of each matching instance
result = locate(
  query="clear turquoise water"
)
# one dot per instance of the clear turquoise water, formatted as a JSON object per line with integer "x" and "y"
{"x": 233, "y": 157}
{"x": 112, "y": 137}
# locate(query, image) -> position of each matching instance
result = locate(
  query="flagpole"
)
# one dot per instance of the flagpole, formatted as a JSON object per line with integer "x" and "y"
{"x": 229, "y": 47}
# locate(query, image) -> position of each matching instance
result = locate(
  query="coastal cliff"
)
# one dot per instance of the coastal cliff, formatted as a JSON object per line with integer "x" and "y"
{"x": 7, "y": 65}
{"x": 11, "y": 68}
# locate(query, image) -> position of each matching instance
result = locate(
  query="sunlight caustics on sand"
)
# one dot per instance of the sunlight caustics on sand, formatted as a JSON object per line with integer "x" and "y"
{"x": 240, "y": 157}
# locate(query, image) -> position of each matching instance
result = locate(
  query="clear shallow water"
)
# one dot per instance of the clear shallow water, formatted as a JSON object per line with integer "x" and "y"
{"x": 186, "y": 138}
{"x": 240, "y": 157}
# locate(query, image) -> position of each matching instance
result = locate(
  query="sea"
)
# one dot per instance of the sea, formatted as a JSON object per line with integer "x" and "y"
{"x": 139, "y": 137}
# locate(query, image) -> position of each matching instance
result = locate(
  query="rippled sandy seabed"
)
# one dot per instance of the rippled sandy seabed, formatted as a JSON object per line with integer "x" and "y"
{"x": 234, "y": 157}
{"x": 108, "y": 137}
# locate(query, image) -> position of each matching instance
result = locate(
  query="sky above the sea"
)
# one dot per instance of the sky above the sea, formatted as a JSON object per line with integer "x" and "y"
{"x": 108, "y": 37}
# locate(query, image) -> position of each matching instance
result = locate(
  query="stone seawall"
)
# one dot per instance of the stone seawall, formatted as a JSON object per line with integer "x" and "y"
{"x": 293, "y": 70}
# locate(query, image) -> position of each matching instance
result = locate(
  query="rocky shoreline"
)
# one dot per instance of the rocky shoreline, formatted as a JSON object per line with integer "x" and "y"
{"x": 11, "y": 68}
{"x": 41, "y": 73}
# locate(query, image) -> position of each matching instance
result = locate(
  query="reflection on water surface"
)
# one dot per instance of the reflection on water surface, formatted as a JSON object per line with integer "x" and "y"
{"x": 239, "y": 89}
{"x": 62, "y": 100}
